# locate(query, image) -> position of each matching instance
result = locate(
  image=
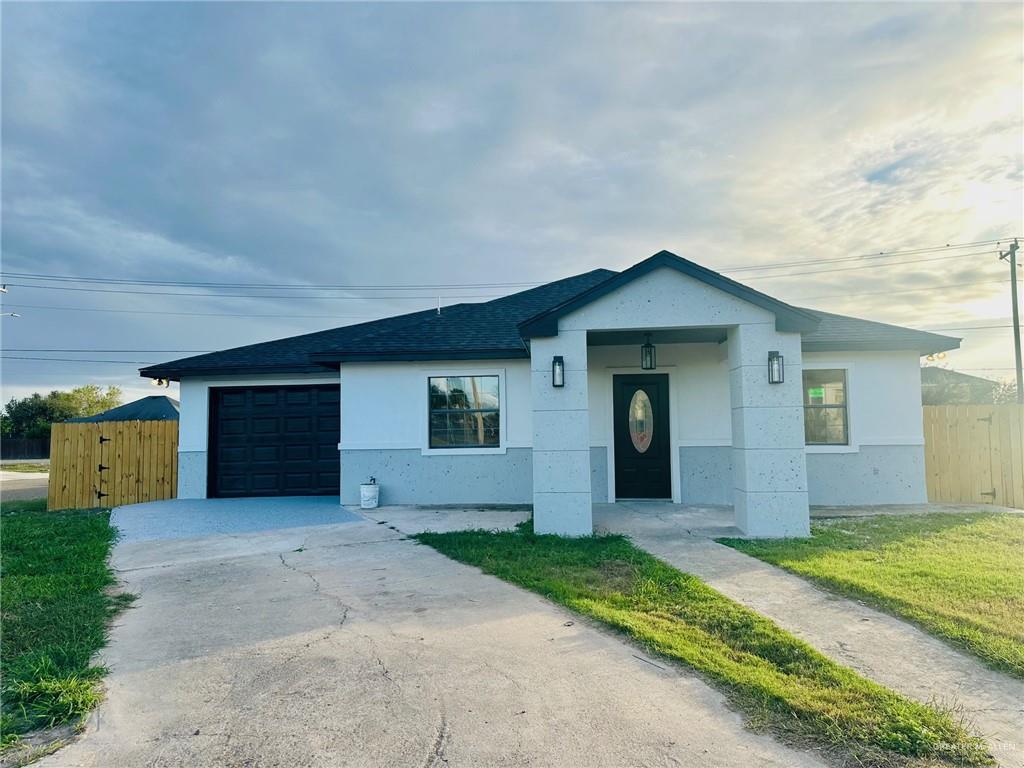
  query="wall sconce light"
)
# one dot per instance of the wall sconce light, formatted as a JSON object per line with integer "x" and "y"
{"x": 160, "y": 383}
{"x": 648, "y": 355}
{"x": 776, "y": 368}
{"x": 557, "y": 371}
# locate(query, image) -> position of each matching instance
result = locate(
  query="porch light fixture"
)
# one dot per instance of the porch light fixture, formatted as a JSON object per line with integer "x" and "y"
{"x": 776, "y": 368}
{"x": 557, "y": 371}
{"x": 648, "y": 356}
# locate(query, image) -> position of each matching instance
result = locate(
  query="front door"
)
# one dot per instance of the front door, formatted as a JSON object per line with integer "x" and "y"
{"x": 643, "y": 463}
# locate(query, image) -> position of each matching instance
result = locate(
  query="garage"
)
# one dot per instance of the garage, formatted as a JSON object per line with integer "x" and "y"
{"x": 274, "y": 441}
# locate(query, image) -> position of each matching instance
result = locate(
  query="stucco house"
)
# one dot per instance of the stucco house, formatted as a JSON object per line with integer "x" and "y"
{"x": 664, "y": 381}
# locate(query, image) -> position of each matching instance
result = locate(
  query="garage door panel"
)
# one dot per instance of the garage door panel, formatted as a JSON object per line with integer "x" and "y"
{"x": 298, "y": 425}
{"x": 301, "y": 452}
{"x": 268, "y": 441}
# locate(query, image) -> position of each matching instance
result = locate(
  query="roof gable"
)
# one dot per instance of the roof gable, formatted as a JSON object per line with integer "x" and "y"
{"x": 787, "y": 318}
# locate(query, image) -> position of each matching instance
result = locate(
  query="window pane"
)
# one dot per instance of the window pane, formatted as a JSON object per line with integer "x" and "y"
{"x": 825, "y": 387}
{"x": 825, "y": 415}
{"x": 825, "y": 426}
{"x": 464, "y": 411}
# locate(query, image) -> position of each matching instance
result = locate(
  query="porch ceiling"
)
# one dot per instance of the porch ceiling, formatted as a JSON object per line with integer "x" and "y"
{"x": 658, "y": 336}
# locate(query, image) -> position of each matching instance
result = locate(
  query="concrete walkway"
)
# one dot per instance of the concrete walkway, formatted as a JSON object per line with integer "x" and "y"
{"x": 349, "y": 644}
{"x": 881, "y": 647}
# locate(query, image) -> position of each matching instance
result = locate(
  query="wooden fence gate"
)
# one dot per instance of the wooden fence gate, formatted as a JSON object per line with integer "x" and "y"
{"x": 108, "y": 463}
{"x": 975, "y": 454}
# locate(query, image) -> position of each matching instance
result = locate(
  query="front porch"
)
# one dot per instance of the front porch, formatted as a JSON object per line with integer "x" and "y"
{"x": 576, "y": 396}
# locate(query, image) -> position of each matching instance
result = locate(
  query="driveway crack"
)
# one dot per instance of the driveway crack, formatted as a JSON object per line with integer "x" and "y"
{"x": 342, "y": 607}
{"x": 436, "y": 755}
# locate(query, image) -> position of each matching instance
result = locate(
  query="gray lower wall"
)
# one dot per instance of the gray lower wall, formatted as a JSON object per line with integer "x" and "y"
{"x": 406, "y": 476}
{"x": 876, "y": 474}
{"x": 705, "y": 474}
{"x": 598, "y": 474}
{"x": 192, "y": 475}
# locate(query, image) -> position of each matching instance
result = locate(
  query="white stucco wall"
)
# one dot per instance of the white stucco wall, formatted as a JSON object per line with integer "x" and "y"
{"x": 384, "y": 405}
{"x": 384, "y": 434}
{"x": 884, "y": 463}
{"x": 664, "y": 298}
{"x": 884, "y": 396}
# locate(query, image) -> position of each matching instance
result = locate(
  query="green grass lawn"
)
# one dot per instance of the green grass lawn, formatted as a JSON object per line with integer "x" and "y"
{"x": 959, "y": 576}
{"x": 26, "y": 467}
{"x": 778, "y": 681}
{"x": 55, "y": 607}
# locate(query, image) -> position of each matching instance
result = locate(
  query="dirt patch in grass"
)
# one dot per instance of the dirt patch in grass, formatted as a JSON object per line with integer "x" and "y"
{"x": 959, "y": 577}
{"x": 57, "y": 601}
{"x": 777, "y": 680}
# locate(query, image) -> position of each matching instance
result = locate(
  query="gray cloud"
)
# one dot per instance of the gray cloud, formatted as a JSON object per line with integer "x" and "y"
{"x": 493, "y": 143}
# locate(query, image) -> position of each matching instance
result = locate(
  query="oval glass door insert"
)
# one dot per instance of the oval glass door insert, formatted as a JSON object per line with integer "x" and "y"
{"x": 641, "y": 421}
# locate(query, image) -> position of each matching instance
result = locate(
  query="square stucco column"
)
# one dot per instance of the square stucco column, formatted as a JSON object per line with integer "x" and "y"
{"x": 561, "y": 437}
{"x": 769, "y": 463}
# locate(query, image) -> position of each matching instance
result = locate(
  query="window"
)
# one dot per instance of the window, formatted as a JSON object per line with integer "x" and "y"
{"x": 825, "y": 415}
{"x": 464, "y": 412}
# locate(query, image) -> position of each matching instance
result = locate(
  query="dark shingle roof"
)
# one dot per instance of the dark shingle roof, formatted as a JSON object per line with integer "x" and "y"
{"x": 463, "y": 330}
{"x": 492, "y": 330}
{"x": 839, "y": 333}
{"x": 152, "y": 408}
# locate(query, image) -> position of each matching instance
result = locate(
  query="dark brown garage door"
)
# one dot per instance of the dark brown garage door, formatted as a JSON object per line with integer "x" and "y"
{"x": 274, "y": 441}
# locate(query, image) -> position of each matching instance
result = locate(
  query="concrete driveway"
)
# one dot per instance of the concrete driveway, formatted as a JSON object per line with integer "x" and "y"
{"x": 346, "y": 644}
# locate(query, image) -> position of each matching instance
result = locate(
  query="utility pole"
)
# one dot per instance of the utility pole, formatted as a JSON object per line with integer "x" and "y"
{"x": 1011, "y": 254}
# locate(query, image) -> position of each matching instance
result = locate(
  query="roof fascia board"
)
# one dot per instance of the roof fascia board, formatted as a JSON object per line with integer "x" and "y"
{"x": 175, "y": 374}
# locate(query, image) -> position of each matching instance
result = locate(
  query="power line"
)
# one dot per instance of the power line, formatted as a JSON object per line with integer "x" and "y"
{"x": 907, "y": 290}
{"x": 268, "y": 286}
{"x": 244, "y": 295}
{"x": 370, "y": 317}
{"x": 456, "y": 286}
{"x": 870, "y": 266}
{"x": 118, "y": 351}
{"x": 877, "y": 255}
{"x": 970, "y": 328}
{"x": 462, "y": 296}
{"x": 75, "y": 360}
{"x": 186, "y": 314}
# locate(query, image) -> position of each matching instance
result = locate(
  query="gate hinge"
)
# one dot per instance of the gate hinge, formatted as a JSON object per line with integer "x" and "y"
{"x": 101, "y": 468}
{"x": 105, "y": 439}
{"x": 986, "y": 418}
{"x": 991, "y": 493}
{"x": 101, "y": 494}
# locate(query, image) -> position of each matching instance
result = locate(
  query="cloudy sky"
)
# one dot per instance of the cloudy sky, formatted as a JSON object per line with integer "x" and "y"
{"x": 491, "y": 146}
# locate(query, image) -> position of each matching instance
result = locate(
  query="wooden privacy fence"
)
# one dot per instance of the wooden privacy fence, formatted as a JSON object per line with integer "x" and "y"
{"x": 975, "y": 453}
{"x": 107, "y": 463}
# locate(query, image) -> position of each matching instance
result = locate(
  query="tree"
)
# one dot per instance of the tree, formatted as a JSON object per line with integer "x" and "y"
{"x": 32, "y": 416}
{"x": 1005, "y": 393}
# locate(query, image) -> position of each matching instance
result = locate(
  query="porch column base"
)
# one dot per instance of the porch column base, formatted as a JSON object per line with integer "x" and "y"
{"x": 771, "y": 514}
{"x": 564, "y": 514}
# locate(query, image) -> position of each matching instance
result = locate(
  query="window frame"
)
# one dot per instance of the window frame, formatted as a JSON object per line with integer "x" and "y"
{"x": 851, "y": 445}
{"x": 467, "y": 450}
